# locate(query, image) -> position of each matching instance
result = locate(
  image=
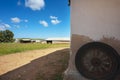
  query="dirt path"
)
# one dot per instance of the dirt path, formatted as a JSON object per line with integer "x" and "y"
{"x": 14, "y": 61}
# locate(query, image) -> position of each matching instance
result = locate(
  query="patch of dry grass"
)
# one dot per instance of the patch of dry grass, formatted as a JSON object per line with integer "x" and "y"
{"x": 8, "y": 48}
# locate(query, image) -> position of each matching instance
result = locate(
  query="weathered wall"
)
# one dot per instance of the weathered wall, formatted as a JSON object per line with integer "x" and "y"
{"x": 95, "y": 18}
{"x": 71, "y": 73}
{"x": 92, "y": 20}
{"x": 79, "y": 40}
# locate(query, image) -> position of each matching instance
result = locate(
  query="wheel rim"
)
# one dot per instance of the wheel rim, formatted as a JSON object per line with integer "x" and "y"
{"x": 95, "y": 62}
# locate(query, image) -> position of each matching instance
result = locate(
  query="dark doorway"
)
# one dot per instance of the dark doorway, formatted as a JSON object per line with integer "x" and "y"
{"x": 49, "y": 42}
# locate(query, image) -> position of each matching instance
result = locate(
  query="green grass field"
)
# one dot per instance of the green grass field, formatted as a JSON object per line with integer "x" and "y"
{"x": 8, "y": 48}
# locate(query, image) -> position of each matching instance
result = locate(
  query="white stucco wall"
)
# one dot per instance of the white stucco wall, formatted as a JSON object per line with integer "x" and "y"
{"x": 91, "y": 20}
{"x": 95, "y": 18}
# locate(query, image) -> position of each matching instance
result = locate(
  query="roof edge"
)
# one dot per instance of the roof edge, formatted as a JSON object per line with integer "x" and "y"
{"x": 69, "y": 2}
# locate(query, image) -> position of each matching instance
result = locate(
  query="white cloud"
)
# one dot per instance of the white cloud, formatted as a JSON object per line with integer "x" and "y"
{"x": 7, "y": 25}
{"x": 18, "y": 20}
{"x": 15, "y": 20}
{"x": 44, "y": 23}
{"x": 53, "y": 17}
{"x": 17, "y": 26}
{"x": 25, "y": 20}
{"x": 18, "y": 3}
{"x": 54, "y": 20}
{"x": 4, "y": 26}
{"x": 1, "y": 29}
{"x": 35, "y": 4}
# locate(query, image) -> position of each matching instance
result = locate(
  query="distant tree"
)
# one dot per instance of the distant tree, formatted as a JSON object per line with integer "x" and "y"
{"x": 6, "y": 36}
{"x": 1, "y": 36}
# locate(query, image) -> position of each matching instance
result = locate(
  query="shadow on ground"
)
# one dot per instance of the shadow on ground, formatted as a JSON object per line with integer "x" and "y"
{"x": 49, "y": 67}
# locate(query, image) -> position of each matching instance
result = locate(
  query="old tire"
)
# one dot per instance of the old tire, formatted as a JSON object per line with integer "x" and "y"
{"x": 96, "y": 61}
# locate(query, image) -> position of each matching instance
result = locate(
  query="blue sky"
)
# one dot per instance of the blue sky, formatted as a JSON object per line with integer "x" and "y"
{"x": 35, "y": 18}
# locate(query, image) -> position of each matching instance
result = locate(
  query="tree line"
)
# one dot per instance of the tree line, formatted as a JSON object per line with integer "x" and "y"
{"x": 6, "y": 36}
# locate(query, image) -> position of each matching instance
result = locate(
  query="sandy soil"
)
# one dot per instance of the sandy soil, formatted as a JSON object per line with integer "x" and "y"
{"x": 12, "y": 62}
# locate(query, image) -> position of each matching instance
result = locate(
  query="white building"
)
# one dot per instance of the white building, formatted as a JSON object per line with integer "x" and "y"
{"x": 28, "y": 40}
{"x": 57, "y": 40}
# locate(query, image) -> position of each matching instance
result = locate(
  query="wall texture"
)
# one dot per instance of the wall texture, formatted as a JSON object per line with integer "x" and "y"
{"x": 92, "y": 20}
{"x": 95, "y": 18}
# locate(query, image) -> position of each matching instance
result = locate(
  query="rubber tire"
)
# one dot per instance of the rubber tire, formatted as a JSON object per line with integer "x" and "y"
{"x": 108, "y": 49}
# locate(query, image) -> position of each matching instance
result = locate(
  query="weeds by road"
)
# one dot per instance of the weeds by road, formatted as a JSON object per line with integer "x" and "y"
{"x": 8, "y": 48}
{"x": 44, "y": 67}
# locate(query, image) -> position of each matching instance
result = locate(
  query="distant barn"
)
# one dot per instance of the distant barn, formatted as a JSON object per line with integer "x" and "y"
{"x": 28, "y": 40}
{"x": 57, "y": 40}
{"x": 25, "y": 41}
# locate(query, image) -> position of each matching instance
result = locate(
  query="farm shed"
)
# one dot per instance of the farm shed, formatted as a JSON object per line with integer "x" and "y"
{"x": 57, "y": 40}
{"x": 36, "y": 40}
{"x": 25, "y": 40}
{"x": 28, "y": 40}
{"x": 95, "y": 40}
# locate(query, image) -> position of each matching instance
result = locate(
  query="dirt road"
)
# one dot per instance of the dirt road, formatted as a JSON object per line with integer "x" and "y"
{"x": 15, "y": 61}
